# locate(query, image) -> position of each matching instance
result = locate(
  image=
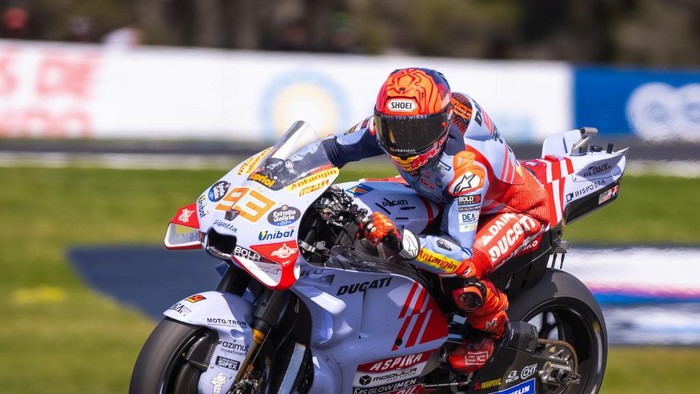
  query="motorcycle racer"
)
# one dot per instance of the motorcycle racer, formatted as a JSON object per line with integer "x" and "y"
{"x": 448, "y": 150}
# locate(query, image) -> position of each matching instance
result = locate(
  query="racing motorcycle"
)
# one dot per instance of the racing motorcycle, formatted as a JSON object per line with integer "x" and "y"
{"x": 305, "y": 305}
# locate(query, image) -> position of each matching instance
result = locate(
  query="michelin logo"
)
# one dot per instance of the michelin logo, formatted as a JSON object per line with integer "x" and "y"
{"x": 523, "y": 388}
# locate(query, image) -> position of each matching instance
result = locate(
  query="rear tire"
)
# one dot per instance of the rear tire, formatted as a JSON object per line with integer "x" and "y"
{"x": 562, "y": 308}
{"x": 161, "y": 366}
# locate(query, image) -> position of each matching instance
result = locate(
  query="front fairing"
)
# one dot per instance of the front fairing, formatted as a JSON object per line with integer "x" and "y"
{"x": 260, "y": 203}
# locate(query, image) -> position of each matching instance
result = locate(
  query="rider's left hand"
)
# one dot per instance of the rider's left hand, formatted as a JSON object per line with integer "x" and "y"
{"x": 378, "y": 227}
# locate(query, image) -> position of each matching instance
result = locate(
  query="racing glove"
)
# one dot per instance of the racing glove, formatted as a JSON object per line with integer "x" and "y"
{"x": 379, "y": 228}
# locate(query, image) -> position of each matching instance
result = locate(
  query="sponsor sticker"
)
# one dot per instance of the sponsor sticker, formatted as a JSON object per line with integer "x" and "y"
{"x": 235, "y": 348}
{"x": 218, "y": 382}
{"x": 185, "y": 217}
{"x": 468, "y": 181}
{"x": 364, "y": 286}
{"x": 401, "y": 105}
{"x": 267, "y": 235}
{"x": 527, "y": 387}
{"x": 202, "y": 210}
{"x": 387, "y": 388}
{"x": 467, "y": 220}
{"x": 195, "y": 298}
{"x": 263, "y": 180}
{"x": 314, "y": 187}
{"x": 487, "y": 384}
{"x": 218, "y": 190}
{"x": 228, "y": 363}
{"x": 250, "y": 163}
{"x": 607, "y": 195}
{"x": 283, "y": 216}
{"x": 320, "y": 178}
{"x": 280, "y": 252}
{"x": 468, "y": 200}
{"x": 240, "y": 251}
{"x": 284, "y": 252}
{"x": 585, "y": 190}
{"x": 394, "y": 363}
{"x": 217, "y": 321}
{"x": 221, "y": 223}
{"x": 444, "y": 245}
{"x": 595, "y": 170}
{"x": 438, "y": 261}
{"x": 359, "y": 190}
{"x": 181, "y": 309}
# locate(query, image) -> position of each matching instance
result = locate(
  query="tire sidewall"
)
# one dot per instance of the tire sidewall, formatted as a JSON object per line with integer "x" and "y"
{"x": 559, "y": 289}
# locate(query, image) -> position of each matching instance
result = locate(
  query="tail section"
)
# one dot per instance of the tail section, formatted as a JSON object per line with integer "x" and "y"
{"x": 579, "y": 177}
{"x": 552, "y": 172}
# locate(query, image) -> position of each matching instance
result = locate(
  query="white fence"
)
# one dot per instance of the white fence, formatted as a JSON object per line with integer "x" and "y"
{"x": 51, "y": 90}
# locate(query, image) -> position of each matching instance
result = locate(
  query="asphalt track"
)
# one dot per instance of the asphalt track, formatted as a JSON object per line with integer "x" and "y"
{"x": 647, "y": 308}
{"x": 638, "y": 149}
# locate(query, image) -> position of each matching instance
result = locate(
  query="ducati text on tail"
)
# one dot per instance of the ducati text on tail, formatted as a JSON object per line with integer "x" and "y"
{"x": 304, "y": 305}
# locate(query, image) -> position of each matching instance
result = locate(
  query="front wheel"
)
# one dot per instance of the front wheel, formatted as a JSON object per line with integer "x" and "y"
{"x": 563, "y": 309}
{"x": 168, "y": 362}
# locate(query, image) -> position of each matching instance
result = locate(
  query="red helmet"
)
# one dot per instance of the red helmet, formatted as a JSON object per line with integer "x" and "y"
{"x": 412, "y": 116}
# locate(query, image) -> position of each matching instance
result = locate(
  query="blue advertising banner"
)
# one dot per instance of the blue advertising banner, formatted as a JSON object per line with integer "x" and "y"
{"x": 653, "y": 104}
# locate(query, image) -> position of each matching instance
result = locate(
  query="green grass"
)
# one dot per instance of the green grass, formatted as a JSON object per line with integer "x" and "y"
{"x": 59, "y": 336}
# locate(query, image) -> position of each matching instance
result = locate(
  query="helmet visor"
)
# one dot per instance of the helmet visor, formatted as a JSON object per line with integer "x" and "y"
{"x": 405, "y": 136}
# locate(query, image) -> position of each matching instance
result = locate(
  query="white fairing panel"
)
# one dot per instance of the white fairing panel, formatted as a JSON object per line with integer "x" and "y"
{"x": 381, "y": 331}
{"x": 229, "y": 316}
{"x": 399, "y": 202}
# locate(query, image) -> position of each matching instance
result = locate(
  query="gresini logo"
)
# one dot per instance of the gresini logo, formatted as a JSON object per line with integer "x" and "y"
{"x": 593, "y": 170}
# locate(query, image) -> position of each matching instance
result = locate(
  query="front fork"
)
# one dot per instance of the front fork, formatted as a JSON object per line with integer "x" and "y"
{"x": 270, "y": 306}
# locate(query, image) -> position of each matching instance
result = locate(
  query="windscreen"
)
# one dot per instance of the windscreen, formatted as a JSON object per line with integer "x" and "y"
{"x": 296, "y": 155}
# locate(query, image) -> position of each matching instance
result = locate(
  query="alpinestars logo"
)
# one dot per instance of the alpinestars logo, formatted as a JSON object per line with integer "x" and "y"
{"x": 467, "y": 182}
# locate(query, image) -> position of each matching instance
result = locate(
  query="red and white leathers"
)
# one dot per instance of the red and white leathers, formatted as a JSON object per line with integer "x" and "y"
{"x": 491, "y": 207}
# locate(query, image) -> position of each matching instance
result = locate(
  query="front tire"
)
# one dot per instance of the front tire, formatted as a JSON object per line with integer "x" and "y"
{"x": 562, "y": 308}
{"x": 166, "y": 363}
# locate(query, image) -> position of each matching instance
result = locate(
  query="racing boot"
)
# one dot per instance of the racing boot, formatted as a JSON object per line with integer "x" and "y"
{"x": 486, "y": 307}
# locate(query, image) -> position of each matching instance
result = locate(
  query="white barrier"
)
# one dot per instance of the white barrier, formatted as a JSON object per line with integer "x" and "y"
{"x": 73, "y": 90}
{"x": 649, "y": 295}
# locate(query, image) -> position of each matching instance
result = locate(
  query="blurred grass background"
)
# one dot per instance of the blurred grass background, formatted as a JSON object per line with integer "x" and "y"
{"x": 59, "y": 336}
